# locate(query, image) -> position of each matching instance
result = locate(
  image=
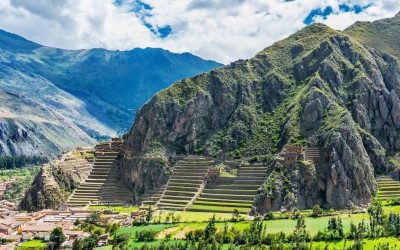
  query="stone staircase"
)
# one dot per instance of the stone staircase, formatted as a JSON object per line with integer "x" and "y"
{"x": 388, "y": 188}
{"x": 185, "y": 182}
{"x": 312, "y": 154}
{"x": 102, "y": 186}
{"x": 239, "y": 195}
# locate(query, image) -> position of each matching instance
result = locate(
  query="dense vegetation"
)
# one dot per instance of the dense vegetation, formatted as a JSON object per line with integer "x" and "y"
{"x": 21, "y": 181}
{"x": 18, "y": 161}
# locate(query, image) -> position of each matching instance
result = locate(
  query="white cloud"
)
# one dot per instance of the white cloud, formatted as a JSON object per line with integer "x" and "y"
{"x": 224, "y": 30}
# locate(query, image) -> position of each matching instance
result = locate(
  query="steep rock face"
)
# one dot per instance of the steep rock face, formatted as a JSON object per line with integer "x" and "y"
{"x": 144, "y": 174}
{"x": 30, "y": 128}
{"x": 55, "y": 182}
{"x": 318, "y": 87}
{"x": 285, "y": 189}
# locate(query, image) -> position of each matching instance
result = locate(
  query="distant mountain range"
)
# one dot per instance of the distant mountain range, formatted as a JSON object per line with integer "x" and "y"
{"x": 53, "y": 99}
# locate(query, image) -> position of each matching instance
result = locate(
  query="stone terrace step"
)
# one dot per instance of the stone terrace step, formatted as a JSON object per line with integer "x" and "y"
{"x": 236, "y": 187}
{"x": 174, "y": 197}
{"x": 223, "y": 204}
{"x": 102, "y": 185}
{"x": 229, "y": 197}
{"x": 230, "y": 191}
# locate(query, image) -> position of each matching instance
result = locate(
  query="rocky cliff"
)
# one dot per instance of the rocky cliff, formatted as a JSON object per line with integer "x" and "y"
{"x": 57, "y": 179}
{"x": 319, "y": 87}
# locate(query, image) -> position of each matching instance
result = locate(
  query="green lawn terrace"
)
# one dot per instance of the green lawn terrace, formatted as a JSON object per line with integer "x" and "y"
{"x": 195, "y": 185}
{"x": 388, "y": 188}
{"x": 185, "y": 183}
{"x": 238, "y": 195}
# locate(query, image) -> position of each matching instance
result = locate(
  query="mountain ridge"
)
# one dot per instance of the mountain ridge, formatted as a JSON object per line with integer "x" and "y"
{"x": 104, "y": 88}
{"x": 319, "y": 87}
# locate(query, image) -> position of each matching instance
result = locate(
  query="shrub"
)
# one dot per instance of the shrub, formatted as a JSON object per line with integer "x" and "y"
{"x": 146, "y": 235}
{"x": 316, "y": 211}
{"x": 269, "y": 215}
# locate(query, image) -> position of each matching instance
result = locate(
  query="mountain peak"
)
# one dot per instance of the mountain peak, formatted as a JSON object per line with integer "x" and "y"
{"x": 13, "y": 42}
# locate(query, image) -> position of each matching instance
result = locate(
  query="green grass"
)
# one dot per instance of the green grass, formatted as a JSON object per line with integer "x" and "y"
{"x": 273, "y": 226}
{"x": 369, "y": 244}
{"x": 82, "y": 155}
{"x": 32, "y": 244}
{"x": 134, "y": 244}
{"x": 188, "y": 216}
{"x": 313, "y": 224}
{"x": 205, "y": 208}
{"x": 116, "y": 209}
{"x": 131, "y": 231}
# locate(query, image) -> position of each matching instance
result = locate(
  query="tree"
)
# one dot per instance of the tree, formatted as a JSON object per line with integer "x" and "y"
{"x": 316, "y": 211}
{"x": 300, "y": 235}
{"x": 235, "y": 215}
{"x": 149, "y": 215}
{"x": 120, "y": 242}
{"x": 93, "y": 219}
{"x": 210, "y": 230}
{"x": 88, "y": 243}
{"x": 358, "y": 233}
{"x": 256, "y": 232}
{"x": 77, "y": 245}
{"x": 112, "y": 228}
{"x": 57, "y": 237}
{"x": 376, "y": 220}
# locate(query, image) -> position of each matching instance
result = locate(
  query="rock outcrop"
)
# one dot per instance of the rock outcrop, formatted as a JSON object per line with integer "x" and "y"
{"x": 319, "y": 87}
{"x": 56, "y": 181}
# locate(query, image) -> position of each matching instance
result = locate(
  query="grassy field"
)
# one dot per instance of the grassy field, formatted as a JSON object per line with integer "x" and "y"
{"x": 131, "y": 231}
{"x": 32, "y": 245}
{"x": 187, "y": 216}
{"x": 22, "y": 178}
{"x": 369, "y": 244}
{"x": 195, "y": 220}
{"x": 200, "y": 208}
{"x": 198, "y": 220}
{"x": 116, "y": 209}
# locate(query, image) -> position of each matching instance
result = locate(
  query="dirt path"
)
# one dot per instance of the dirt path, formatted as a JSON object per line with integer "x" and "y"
{"x": 161, "y": 235}
{"x": 182, "y": 233}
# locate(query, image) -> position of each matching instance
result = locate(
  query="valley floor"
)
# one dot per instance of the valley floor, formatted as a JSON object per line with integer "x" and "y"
{"x": 172, "y": 233}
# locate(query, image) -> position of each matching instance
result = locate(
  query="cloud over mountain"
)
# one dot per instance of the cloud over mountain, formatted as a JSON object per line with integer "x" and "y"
{"x": 221, "y": 30}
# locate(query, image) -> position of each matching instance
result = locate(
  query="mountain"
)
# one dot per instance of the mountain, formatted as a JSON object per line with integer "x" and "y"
{"x": 54, "y": 100}
{"x": 382, "y": 35}
{"x": 332, "y": 90}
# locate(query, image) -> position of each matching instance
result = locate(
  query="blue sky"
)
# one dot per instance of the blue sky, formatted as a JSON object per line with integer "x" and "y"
{"x": 325, "y": 12}
{"x": 223, "y": 30}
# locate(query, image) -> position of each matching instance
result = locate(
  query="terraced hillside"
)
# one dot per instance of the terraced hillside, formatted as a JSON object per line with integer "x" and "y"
{"x": 388, "y": 188}
{"x": 185, "y": 183}
{"x": 239, "y": 195}
{"x": 102, "y": 185}
{"x": 152, "y": 198}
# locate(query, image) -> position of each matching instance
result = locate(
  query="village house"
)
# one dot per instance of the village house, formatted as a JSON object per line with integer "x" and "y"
{"x": 292, "y": 154}
{"x": 4, "y": 204}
